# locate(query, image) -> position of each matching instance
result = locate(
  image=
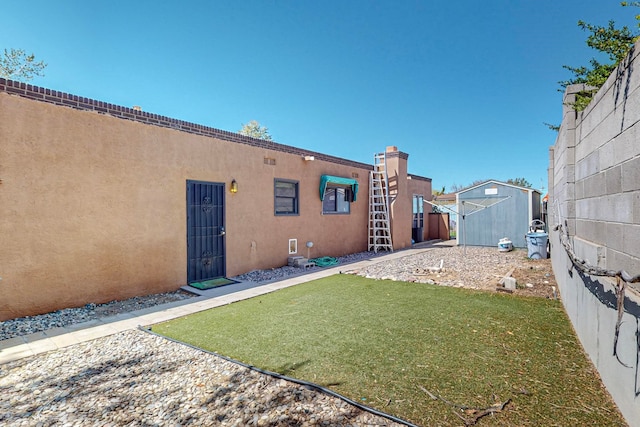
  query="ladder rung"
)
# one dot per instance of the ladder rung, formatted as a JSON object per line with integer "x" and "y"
{"x": 379, "y": 224}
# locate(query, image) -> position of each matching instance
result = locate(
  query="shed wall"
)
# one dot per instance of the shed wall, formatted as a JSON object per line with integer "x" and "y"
{"x": 509, "y": 217}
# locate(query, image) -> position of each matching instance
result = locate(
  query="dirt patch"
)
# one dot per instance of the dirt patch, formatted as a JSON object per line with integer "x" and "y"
{"x": 538, "y": 274}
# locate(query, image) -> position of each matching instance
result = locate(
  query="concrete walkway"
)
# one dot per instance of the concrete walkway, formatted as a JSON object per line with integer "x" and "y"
{"x": 53, "y": 339}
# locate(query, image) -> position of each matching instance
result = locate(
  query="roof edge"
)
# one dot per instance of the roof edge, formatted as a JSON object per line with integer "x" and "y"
{"x": 63, "y": 99}
{"x": 498, "y": 182}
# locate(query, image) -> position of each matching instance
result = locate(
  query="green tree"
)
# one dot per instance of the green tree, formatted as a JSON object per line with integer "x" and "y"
{"x": 615, "y": 43}
{"x": 521, "y": 182}
{"x": 15, "y": 64}
{"x": 435, "y": 194}
{"x": 254, "y": 130}
{"x": 438, "y": 192}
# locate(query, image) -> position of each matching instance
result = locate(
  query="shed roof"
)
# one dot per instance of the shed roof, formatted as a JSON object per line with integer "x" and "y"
{"x": 493, "y": 181}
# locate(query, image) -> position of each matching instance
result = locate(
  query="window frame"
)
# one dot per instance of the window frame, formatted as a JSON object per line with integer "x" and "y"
{"x": 418, "y": 211}
{"x": 345, "y": 200}
{"x": 295, "y": 198}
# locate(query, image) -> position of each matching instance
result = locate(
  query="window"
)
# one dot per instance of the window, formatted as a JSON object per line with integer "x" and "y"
{"x": 337, "y": 200}
{"x": 418, "y": 211}
{"x": 286, "y": 197}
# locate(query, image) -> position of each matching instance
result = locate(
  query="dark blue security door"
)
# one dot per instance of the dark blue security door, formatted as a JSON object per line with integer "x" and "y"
{"x": 205, "y": 231}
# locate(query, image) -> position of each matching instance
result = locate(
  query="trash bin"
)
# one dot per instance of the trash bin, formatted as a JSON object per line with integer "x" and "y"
{"x": 537, "y": 245}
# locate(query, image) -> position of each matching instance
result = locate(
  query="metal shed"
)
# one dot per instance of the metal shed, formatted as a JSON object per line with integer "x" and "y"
{"x": 493, "y": 210}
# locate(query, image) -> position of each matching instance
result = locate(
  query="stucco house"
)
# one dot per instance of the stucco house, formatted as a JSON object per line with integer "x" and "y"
{"x": 101, "y": 202}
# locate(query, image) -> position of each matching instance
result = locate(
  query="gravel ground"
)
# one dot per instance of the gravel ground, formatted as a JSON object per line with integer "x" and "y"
{"x": 286, "y": 271}
{"x": 70, "y": 316}
{"x": 137, "y": 379}
{"x": 472, "y": 267}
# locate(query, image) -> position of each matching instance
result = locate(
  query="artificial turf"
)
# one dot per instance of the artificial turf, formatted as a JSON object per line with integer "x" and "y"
{"x": 395, "y": 346}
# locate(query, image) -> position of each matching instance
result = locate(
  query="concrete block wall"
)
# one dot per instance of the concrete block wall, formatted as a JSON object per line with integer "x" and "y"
{"x": 562, "y": 199}
{"x": 607, "y": 170}
{"x": 594, "y": 192}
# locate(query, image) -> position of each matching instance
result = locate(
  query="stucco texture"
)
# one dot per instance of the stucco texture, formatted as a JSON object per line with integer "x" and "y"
{"x": 93, "y": 207}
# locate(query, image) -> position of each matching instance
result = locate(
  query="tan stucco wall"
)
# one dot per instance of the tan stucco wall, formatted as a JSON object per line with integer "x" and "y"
{"x": 401, "y": 203}
{"x": 256, "y": 238}
{"x": 438, "y": 226}
{"x": 93, "y": 208}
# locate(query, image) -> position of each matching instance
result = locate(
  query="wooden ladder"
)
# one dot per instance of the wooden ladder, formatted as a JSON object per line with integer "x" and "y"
{"x": 379, "y": 224}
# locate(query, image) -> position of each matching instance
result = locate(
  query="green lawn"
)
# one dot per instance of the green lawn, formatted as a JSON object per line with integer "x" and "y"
{"x": 384, "y": 343}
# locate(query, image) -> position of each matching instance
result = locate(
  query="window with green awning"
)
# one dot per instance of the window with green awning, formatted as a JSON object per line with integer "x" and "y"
{"x": 350, "y": 183}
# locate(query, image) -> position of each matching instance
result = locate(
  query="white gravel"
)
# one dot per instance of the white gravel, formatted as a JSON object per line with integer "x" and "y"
{"x": 70, "y": 316}
{"x": 138, "y": 379}
{"x": 286, "y": 271}
{"x": 472, "y": 267}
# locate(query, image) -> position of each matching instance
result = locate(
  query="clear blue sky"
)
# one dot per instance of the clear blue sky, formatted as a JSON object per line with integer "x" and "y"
{"x": 462, "y": 86}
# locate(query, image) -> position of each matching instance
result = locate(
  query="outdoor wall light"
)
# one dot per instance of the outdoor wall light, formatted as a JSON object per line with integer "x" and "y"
{"x": 309, "y": 246}
{"x": 308, "y": 158}
{"x": 234, "y": 186}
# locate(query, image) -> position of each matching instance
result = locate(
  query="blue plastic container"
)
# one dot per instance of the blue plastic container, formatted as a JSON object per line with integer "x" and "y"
{"x": 537, "y": 245}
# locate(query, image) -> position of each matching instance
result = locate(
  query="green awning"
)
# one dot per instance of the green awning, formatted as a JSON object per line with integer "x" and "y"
{"x": 336, "y": 180}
